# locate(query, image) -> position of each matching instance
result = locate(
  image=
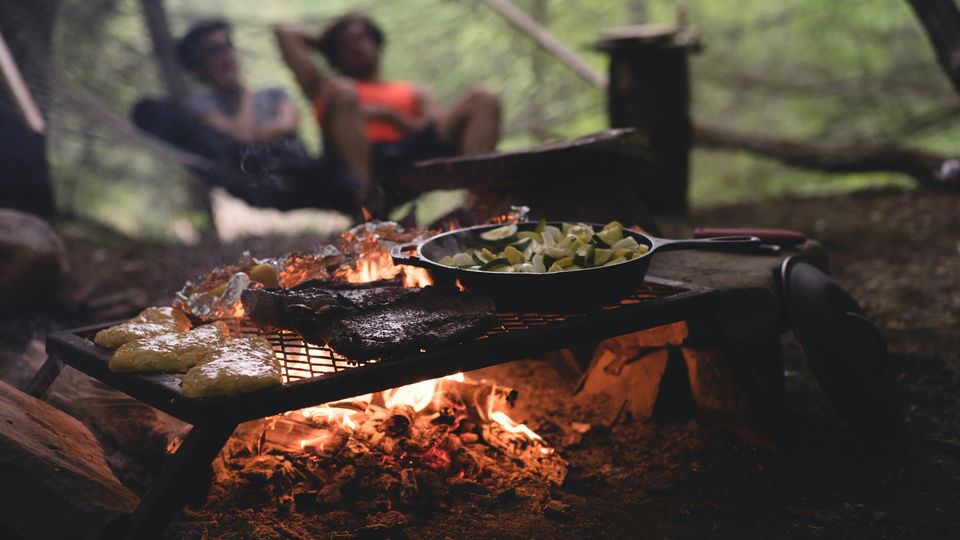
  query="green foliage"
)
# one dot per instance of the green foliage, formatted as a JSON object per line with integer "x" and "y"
{"x": 830, "y": 71}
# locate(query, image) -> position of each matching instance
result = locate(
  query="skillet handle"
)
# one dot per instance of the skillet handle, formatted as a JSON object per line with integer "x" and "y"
{"x": 397, "y": 253}
{"x": 720, "y": 243}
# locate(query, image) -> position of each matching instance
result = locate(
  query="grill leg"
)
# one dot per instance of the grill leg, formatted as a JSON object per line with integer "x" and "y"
{"x": 48, "y": 372}
{"x": 181, "y": 473}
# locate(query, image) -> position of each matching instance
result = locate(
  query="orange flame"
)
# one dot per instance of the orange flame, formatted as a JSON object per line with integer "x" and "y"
{"x": 374, "y": 263}
{"x": 367, "y": 216}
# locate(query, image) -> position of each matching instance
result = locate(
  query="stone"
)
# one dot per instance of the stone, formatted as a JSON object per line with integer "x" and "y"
{"x": 749, "y": 303}
{"x": 713, "y": 383}
{"x": 628, "y": 372}
{"x": 33, "y": 265}
{"x": 56, "y": 482}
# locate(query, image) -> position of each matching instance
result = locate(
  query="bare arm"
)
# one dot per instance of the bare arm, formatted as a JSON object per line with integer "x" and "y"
{"x": 429, "y": 106}
{"x": 284, "y": 124}
{"x": 239, "y": 126}
{"x": 296, "y": 45}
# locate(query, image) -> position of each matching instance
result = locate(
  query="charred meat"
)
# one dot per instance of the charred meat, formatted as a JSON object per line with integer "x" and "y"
{"x": 373, "y": 320}
{"x": 277, "y": 307}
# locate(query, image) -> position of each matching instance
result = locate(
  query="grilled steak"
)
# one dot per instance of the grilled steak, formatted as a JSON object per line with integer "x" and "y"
{"x": 376, "y": 320}
{"x": 434, "y": 316}
{"x": 278, "y": 307}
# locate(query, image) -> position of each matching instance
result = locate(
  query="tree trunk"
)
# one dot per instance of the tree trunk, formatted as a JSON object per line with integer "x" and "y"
{"x": 941, "y": 20}
{"x": 27, "y": 27}
{"x": 155, "y": 19}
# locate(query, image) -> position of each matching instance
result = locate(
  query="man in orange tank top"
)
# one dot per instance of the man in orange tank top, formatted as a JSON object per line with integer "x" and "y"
{"x": 374, "y": 125}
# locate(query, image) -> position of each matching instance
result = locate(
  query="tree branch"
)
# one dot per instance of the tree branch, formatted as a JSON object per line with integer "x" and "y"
{"x": 918, "y": 164}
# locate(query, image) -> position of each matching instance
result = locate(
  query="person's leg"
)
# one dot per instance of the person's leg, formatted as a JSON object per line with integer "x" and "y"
{"x": 342, "y": 129}
{"x": 472, "y": 125}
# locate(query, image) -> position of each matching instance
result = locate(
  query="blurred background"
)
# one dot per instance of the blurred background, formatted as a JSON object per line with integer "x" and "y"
{"x": 834, "y": 73}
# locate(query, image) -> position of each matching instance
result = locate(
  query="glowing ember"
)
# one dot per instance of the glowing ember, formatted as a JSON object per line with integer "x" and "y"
{"x": 173, "y": 445}
{"x": 412, "y": 426}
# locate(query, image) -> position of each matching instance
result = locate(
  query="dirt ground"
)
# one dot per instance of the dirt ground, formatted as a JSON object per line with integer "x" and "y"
{"x": 897, "y": 252}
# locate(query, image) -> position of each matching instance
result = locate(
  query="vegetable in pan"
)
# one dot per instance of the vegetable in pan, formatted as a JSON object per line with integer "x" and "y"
{"x": 548, "y": 249}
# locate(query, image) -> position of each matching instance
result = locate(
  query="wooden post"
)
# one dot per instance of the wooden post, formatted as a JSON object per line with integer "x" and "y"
{"x": 649, "y": 89}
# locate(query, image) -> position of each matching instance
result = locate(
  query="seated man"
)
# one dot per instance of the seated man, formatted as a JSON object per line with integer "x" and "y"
{"x": 374, "y": 125}
{"x": 227, "y": 105}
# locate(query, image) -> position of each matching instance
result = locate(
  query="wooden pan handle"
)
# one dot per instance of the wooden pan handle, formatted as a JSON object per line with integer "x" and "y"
{"x": 779, "y": 237}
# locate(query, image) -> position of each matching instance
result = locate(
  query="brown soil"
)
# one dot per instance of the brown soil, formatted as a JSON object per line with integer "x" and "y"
{"x": 898, "y": 253}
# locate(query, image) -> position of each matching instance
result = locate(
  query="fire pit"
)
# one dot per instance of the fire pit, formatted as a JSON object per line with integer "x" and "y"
{"x": 315, "y": 375}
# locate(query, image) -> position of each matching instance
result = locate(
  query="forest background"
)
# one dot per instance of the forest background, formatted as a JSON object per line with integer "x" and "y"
{"x": 837, "y": 74}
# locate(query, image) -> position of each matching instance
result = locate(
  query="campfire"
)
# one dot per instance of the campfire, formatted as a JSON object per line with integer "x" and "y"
{"x": 389, "y": 442}
{"x": 395, "y": 449}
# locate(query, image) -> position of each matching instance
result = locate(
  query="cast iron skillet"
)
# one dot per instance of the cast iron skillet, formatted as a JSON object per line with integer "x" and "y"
{"x": 572, "y": 289}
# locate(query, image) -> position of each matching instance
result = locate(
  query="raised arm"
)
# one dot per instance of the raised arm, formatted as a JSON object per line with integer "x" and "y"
{"x": 296, "y": 45}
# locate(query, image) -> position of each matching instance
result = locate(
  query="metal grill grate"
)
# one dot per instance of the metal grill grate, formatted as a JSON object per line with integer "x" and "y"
{"x": 302, "y": 360}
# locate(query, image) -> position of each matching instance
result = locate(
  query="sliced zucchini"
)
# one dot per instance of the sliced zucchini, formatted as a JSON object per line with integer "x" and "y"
{"x": 555, "y": 267}
{"x": 513, "y": 255}
{"x": 487, "y": 255}
{"x": 529, "y": 235}
{"x": 500, "y": 233}
{"x": 564, "y": 262}
{"x": 540, "y": 225}
{"x": 493, "y": 265}
{"x": 462, "y": 260}
{"x": 584, "y": 256}
{"x": 555, "y": 252}
{"x": 601, "y": 256}
{"x": 522, "y": 243}
{"x": 447, "y": 261}
{"x": 610, "y": 236}
{"x": 554, "y": 232}
{"x": 538, "y": 263}
{"x": 627, "y": 242}
{"x": 582, "y": 232}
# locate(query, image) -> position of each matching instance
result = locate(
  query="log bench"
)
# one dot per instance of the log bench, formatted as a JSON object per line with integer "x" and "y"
{"x": 595, "y": 178}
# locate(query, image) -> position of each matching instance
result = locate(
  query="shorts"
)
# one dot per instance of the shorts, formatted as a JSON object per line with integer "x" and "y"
{"x": 422, "y": 144}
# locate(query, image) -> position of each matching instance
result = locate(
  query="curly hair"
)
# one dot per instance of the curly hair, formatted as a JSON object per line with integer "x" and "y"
{"x": 329, "y": 41}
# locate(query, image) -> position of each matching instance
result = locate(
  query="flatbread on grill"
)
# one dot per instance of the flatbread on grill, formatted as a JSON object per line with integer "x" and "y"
{"x": 152, "y": 321}
{"x": 177, "y": 351}
{"x": 238, "y": 366}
